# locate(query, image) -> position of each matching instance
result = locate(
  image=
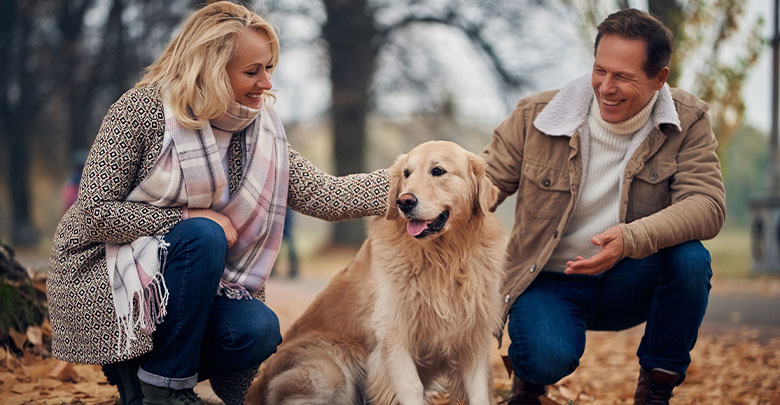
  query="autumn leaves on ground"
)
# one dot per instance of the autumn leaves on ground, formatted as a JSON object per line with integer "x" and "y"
{"x": 731, "y": 365}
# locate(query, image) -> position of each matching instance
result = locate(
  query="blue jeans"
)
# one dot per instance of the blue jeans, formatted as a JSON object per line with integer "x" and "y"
{"x": 668, "y": 290}
{"x": 203, "y": 333}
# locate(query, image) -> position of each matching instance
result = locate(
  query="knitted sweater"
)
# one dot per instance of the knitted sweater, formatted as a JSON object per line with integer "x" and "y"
{"x": 597, "y": 208}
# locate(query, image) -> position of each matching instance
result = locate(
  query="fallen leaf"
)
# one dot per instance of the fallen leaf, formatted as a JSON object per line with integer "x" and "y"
{"x": 23, "y": 388}
{"x": 95, "y": 390}
{"x": 59, "y": 398}
{"x": 42, "y": 368}
{"x": 90, "y": 372}
{"x": 34, "y": 335}
{"x": 18, "y": 338}
{"x": 64, "y": 371}
{"x": 48, "y": 383}
{"x": 46, "y": 327}
{"x": 19, "y": 399}
{"x": 39, "y": 284}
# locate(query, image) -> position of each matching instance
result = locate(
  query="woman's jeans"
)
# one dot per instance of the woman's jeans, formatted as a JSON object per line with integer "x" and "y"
{"x": 668, "y": 289}
{"x": 204, "y": 333}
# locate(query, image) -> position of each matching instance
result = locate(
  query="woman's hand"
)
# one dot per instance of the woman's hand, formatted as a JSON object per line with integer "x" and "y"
{"x": 230, "y": 232}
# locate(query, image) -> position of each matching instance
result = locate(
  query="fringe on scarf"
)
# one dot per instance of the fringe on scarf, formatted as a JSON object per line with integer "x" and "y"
{"x": 149, "y": 303}
{"x": 233, "y": 291}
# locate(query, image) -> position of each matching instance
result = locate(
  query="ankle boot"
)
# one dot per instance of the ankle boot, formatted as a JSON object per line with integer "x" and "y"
{"x": 525, "y": 393}
{"x": 655, "y": 387}
{"x": 124, "y": 375}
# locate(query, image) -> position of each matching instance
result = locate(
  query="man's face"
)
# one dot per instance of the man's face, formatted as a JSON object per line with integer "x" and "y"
{"x": 620, "y": 84}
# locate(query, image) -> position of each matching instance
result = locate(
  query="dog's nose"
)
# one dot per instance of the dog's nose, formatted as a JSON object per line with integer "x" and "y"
{"x": 406, "y": 202}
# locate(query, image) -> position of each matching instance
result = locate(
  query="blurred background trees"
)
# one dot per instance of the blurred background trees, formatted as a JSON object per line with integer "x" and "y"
{"x": 62, "y": 63}
{"x": 379, "y": 75}
{"x": 373, "y": 49}
{"x": 715, "y": 46}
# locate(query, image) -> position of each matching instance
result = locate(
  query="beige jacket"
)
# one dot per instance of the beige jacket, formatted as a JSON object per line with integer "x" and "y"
{"x": 671, "y": 190}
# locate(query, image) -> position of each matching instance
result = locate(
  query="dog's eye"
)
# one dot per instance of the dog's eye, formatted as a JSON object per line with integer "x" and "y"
{"x": 407, "y": 172}
{"x": 437, "y": 171}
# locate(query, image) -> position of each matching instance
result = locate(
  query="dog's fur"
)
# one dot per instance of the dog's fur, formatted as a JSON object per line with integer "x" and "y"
{"x": 406, "y": 311}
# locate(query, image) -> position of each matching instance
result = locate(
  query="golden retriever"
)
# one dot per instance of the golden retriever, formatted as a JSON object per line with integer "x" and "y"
{"x": 420, "y": 301}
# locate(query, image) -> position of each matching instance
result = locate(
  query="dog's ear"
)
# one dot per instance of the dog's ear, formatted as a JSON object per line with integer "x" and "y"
{"x": 395, "y": 184}
{"x": 487, "y": 193}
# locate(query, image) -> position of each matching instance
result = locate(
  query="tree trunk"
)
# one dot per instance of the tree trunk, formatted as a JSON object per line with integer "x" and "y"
{"x": 21, "y": 304}
{"x": 670, "y": 12}
{"x": 18, "y": 119}
{"x": 350, "y": 35}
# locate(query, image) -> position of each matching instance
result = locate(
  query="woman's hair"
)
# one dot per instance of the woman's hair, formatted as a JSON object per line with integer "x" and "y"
{"x": 192, "y": 69}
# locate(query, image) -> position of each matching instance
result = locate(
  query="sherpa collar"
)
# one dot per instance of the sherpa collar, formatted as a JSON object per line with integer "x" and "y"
{"x": 568, "y": 110}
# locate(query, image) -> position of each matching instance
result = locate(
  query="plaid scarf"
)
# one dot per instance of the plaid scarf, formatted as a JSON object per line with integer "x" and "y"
{"x": 189, "y": 173}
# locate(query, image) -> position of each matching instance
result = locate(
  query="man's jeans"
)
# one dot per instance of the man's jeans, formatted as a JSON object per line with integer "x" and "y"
{"x": 668, "y": 289}
{"x": 203, "y": 333}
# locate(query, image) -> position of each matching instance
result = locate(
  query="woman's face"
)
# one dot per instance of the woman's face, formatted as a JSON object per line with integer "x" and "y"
{"x": 250, "y": 69}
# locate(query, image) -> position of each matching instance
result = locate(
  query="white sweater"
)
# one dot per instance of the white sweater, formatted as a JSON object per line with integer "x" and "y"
{"x": 597, "y": 207}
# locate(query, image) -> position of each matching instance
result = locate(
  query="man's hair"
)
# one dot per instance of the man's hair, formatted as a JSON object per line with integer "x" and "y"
{"x": 191, "y": 70}
{"x": 635, "y": 24}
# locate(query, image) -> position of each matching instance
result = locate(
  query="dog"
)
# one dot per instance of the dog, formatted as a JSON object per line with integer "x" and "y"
{"x": 419, "y": 304}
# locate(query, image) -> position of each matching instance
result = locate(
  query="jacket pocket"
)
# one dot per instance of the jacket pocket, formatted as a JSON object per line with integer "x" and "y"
{"x": 545, "y": 190}
{"x": 651, "y": 189}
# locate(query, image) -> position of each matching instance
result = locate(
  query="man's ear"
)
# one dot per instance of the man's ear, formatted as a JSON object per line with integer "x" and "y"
{"x": 395, "y": 184}
{"x": 661, "y": 77}
{"x": 487, "y": 193}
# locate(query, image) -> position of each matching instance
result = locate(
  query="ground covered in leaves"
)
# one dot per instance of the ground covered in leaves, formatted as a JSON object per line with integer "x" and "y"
{"x": 731, "y": 365}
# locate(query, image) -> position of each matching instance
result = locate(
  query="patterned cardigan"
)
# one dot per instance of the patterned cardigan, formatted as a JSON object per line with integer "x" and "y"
{"x": 127, "y": 146}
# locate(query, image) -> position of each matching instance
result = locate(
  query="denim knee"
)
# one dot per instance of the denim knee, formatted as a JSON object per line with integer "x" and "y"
{"x": 201, "y": 232}
{"x": 265, "y": 337}
{"x": 258, "y": 338}
{"x": 689, "y": 264}
{"x": 543, "y": 363}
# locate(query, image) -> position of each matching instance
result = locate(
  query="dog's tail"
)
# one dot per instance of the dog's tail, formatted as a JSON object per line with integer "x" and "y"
{"x": 316, "y": 372}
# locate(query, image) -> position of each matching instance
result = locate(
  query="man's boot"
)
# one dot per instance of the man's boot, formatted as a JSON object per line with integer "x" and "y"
{"x": 655, "y": 387}
{"x": 525, "y": 393}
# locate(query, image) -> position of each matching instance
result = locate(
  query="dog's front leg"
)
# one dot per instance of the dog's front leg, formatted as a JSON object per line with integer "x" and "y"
{"x": 477, "y": 380}
{"x": 392, "y": 373}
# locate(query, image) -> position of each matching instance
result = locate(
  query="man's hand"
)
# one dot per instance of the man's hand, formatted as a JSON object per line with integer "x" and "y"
{"x": 611, "y": 242}
{"x": 230, "y": 232}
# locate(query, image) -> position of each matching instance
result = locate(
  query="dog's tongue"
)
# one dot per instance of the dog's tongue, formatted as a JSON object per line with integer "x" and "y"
{"x": 415, "y": 226}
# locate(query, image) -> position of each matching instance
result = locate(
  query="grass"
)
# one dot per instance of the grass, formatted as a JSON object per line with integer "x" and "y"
{"x": 730, "y": 252}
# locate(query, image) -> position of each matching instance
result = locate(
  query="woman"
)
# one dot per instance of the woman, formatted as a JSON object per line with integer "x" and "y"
{"x": 160, "y": 264}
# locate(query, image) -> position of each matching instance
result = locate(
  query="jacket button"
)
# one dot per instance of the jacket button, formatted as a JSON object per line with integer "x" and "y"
{"x": 555, "y": 234}
{"x": 653, "y": 176}
{"x": 533, "y": 268}
{"x": 546, "y": 182}
{"x": 507, "y": 298}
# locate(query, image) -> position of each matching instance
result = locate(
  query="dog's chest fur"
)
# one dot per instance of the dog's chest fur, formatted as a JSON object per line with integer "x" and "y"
{"x": 438, "y": 301}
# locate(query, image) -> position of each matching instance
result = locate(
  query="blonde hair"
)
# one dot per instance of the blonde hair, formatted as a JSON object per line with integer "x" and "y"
{"x": 192, "y": 69}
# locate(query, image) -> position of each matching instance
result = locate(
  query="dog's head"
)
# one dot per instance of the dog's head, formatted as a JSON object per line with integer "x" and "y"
{"x": 435, "y": 184}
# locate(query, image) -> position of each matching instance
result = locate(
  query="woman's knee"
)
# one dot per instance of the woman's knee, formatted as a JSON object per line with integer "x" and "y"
{"x": 201, "y": 233}
{"x": 198, "y": 242}
{"x": 260, "y": 336}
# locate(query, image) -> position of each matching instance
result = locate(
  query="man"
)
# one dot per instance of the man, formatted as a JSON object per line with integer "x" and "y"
{"x": 617, "y": 181}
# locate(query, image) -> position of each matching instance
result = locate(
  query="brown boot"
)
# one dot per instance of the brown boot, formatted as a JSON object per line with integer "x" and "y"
{"x": 525, "y": 393}
{"x": 655, "y": 387}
